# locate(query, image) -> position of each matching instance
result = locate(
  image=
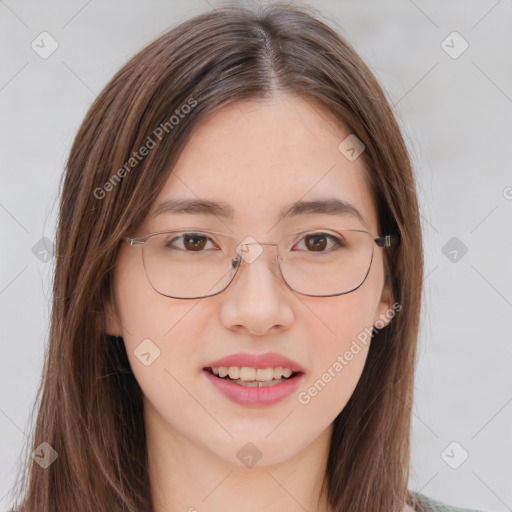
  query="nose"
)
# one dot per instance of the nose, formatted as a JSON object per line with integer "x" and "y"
{"x": 258, "y": 300}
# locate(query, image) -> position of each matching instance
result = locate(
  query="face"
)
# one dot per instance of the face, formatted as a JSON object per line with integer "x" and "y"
{"x": 257, "y": 157}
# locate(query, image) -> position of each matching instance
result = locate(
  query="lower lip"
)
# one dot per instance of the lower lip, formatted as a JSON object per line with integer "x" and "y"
{"x": 255, "y": 396}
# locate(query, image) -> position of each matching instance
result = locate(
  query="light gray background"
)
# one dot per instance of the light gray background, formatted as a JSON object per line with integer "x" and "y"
{"x": 457, "y": 118}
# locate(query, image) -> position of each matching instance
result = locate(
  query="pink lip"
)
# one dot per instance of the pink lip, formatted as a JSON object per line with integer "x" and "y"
{"x": 268, "y": 360}
{"x": 254, "y": 397}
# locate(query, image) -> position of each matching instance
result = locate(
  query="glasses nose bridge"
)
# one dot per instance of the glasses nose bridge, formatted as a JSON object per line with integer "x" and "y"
{"x": 256, "y": 243}
{"x": 249, "y": 259}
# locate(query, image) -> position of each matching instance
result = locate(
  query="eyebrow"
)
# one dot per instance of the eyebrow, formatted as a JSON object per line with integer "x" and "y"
{"x": 329, "y": 206}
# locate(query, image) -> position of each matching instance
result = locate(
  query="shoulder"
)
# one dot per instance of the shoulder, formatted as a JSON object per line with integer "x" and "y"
{"x": 425, "y": 504}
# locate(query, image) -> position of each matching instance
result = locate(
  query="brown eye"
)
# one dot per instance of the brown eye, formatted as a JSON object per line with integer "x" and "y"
{"x": 188, "y": 242}
{"x": 320, "y": 242}
{"x": 316, "y": 242}
{"x": 194, "y": 242}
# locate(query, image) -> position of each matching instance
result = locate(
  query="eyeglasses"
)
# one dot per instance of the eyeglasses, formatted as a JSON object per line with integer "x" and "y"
{"x": 194, "y": 264}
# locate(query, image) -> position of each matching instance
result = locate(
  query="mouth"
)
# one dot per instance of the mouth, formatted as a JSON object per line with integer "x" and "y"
{"x": 253, "y": 377}
{"x": 254, "y": 380}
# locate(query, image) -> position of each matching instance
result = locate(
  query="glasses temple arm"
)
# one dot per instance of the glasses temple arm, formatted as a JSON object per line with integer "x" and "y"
{"x": 388, "y": 240}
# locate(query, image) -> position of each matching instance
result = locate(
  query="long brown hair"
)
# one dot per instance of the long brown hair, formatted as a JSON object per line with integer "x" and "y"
{"x": 89, "y": 405}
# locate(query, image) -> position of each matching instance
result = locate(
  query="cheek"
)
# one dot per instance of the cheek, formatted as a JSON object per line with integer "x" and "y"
{"x": 341, "y": 330}
{"x": 336, "y": 321}
{"x": 339, "y": 358}
{"x": 161, "y": 334}
{"x": 163, "y": 349}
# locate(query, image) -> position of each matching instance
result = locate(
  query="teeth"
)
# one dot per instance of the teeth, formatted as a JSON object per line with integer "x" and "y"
{"x": 257, "y": 384}
{"x": 264, "y": 375}
{"x": 234, "y": 372}
{"x": 286, "y": 372}
{"x": 247, "y": 374}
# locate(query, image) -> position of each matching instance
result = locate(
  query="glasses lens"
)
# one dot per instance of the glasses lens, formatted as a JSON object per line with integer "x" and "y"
{"x": 187, "y": 264}
{"x": 327, "y": 262}
{"x": 199, "y": 264}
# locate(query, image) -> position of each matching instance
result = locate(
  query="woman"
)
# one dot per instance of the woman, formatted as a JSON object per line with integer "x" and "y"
{"x": 238, "y": 282}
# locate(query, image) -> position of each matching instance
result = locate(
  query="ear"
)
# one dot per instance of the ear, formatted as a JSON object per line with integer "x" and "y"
{"x": 386, "y": 309}
{"x": 112, "y": 323}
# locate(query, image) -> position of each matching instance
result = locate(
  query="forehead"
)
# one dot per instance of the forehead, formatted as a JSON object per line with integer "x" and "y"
{"x": 260, "y": 157}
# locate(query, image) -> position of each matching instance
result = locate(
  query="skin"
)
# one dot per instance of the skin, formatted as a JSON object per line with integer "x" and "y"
{"x": 258, "y": 156}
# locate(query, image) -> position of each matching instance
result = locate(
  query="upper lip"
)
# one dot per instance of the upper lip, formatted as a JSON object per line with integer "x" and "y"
{"x": 268, "y": 360}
